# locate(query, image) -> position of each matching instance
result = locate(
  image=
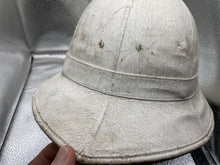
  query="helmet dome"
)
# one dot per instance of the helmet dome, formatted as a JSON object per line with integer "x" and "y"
{"x": 158, "y": 37}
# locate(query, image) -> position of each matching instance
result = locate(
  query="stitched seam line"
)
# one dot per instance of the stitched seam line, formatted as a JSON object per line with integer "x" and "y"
{"x": 122, "y": 39}
{"x": 44, "y": 127}
{"x": 131, "y": 74}
{"x": 118, "y": 157}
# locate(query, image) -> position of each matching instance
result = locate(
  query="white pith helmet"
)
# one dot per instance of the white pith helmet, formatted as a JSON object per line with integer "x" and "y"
{"x": 128, "y": 91}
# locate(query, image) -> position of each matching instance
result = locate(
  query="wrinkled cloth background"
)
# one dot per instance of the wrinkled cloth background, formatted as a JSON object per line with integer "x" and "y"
{"x": 34, "y": 37}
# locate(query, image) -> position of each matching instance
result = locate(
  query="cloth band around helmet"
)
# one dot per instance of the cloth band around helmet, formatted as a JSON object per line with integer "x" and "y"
{"x": 134, "y": 86}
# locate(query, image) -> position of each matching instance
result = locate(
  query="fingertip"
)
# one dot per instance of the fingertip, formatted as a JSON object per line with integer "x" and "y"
{"x": 65, "y": 156}
{"x": 71, "y": 159}
{"x": 46, "y": 156}
{"x": 71, "y": 150}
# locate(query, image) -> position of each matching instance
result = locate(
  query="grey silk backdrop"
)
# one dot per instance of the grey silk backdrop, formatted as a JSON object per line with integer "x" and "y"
{"x": 34, "y": 37}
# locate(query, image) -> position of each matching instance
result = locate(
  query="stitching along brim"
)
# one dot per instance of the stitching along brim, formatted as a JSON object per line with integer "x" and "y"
{"x": 107, "y": 129}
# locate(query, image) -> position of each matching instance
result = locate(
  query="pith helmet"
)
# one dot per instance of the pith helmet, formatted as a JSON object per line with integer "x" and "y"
{"x": 128, "y": 91}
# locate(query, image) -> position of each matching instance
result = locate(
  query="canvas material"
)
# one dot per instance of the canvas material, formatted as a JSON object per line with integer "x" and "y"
{"x": 109, "y": 129}
{"x": 129, "y": 51}
{"x": 157, "y": 38}
{"x": 134, "y": 86}
{"x": 161, "y": 115}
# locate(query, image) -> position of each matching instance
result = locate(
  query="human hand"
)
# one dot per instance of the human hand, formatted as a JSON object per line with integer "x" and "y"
{"x": 52, "y": 155}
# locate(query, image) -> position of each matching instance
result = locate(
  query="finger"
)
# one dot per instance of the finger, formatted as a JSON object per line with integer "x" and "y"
{"x": 65, "y": 156}
{"x": 46, "y": 156}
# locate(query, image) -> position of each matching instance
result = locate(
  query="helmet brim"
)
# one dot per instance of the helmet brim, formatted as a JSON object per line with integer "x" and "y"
{"x": 108, "y": 129}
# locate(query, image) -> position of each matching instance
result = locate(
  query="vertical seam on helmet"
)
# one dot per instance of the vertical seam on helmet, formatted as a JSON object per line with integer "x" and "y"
{"x": 115, "y": 63}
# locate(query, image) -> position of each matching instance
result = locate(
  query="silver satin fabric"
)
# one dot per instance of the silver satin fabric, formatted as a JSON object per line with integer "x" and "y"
{"x": 43, "y": 30}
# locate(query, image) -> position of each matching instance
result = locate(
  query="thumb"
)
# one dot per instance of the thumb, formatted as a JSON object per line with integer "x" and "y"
{"x": 65, "y": 156}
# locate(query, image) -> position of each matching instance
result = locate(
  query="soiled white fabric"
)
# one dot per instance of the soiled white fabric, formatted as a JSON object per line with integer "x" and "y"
{"x": 128, "y": 91}
{"x": 108, "y": 129}
{"x": 136, "y": 86}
